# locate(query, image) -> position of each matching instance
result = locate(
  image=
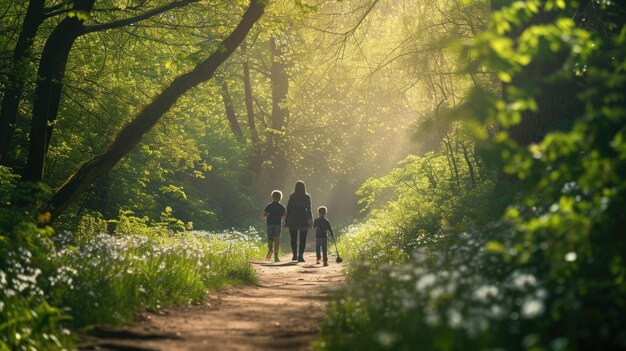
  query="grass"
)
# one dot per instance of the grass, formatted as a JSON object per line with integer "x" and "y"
{"x": 107, "y": 279}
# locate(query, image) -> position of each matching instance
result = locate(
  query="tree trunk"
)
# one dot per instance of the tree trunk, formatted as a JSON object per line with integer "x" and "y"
{"x": 280, "y": 114}
{"x": 247, "y": 87}
{"x": 470, "y": 167}
{"x": 49, "y": 86}
{"x": 17, "y": 76}
{"x": 255, "y": 158}
{"x": 132, "y": 133}
{"x": 52, "y": 71}
{"x": 231, "y": 116}
{"x": 454, "y": 169}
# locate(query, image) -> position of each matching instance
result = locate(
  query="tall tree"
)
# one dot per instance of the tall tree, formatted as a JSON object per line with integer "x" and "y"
{"x": 17, "y": 75}
{"x": 52, "y": 71}
{"x": 132, "y": 133}
{"x": 280, "y": 114}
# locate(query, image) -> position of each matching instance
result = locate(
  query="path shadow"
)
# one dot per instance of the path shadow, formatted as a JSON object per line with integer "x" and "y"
{"x": 128, "y": 334}
{"x": 102, "y": 338}
{"x": 273, "y": 264}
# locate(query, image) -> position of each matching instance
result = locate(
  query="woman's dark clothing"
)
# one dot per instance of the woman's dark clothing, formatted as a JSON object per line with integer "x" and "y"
{"x": 294, "y": 244}
{"x": 298, "y": 218}
{"x": 299, "y": 211}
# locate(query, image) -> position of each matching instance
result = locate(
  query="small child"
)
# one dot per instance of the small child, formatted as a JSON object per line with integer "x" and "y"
{"x": 274, "y": 212}
{"x": 322, "y": 226}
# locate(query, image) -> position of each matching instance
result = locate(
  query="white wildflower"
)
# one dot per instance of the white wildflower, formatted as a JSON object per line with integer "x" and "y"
{"x": 485, "y": 292}
{"x": 532, "y": 308}
{"x": 571, "y": 256}
{"x": 425, "y": 282}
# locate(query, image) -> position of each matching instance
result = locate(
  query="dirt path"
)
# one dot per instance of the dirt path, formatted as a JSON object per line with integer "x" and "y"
{"x": 281, "y": 312}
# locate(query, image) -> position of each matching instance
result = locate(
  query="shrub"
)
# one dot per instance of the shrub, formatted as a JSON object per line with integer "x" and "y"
{"x": 550, "y": 273}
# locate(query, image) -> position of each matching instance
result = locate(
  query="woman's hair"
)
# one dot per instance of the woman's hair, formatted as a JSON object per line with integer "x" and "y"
{"x": 300, "y": 189}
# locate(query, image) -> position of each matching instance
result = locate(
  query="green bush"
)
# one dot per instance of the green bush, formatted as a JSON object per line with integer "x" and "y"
{"x": 27, "y": 320}
{"x": 48, "y": 288}
{"x": 88, "y": 227}
{"x": 550, "y": 274}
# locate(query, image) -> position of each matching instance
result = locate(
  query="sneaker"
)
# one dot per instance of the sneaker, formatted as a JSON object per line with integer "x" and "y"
{"x": 276, "y": 259}
{"x": 300, "y": 259}
{"x": 294, "y": 258}
{"x": 318, "y": 261}
{"x": 325, "y": 263}
{"x": 269, "y": 254}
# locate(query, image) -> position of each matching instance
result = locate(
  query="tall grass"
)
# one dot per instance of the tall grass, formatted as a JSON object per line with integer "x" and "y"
{"x": 106, "y": 279}
{"x": 148, "y": 272}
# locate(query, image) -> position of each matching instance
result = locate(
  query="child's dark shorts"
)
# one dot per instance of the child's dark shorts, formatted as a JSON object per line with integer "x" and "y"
{"x": 273, "y": 231}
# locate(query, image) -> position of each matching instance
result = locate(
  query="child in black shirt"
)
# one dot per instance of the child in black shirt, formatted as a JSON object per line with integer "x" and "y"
{"x": 322, "y": 226}
{"x": 274, "y": 212}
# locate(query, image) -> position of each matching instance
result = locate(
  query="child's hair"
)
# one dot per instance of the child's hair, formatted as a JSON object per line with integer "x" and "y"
{"x": 322, "y": 209}
{"x": 277, "y": 194}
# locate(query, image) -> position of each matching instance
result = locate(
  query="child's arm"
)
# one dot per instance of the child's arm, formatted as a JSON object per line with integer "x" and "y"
{"x": 330, "y": 229}
{"x": 265, "y": 211}
{"x": 289, "y": 207}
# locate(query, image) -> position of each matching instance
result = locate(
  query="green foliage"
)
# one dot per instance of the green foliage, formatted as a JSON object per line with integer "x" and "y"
{"x": 29, "y": 323}
{"x": 138, "y": 271}
{"x": 49, "y": 288}
{"x": 420, "y": 197}
{"x": 88, "y": 227}
{"x": 128, "y": 224}
{"x": 27, "y": 320}
{"x": 148, "y": 270}
{"x": 549, "y": 275}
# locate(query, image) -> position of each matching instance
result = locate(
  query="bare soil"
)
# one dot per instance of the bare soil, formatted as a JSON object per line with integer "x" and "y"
{"x": 281, "y": 312}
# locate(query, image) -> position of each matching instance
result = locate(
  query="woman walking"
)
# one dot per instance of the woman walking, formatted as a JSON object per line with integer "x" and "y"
{"x": 299, "y": 219}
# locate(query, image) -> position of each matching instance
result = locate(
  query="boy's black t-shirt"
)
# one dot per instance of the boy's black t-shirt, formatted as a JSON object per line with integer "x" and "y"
{"x": 275, "y": 211}
{"x": 322, "y": 225}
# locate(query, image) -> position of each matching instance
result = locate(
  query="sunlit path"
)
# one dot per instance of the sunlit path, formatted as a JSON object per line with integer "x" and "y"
{"x": 282, "y": 311}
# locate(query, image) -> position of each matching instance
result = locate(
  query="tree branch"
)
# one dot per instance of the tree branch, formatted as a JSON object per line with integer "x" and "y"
{"x": 141, "y": 17}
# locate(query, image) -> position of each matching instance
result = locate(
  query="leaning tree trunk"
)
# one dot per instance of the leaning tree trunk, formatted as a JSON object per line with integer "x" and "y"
{"x": 132, "y": 133}
{"x": 280, "y": 114}
{"x": 17, "y": 76}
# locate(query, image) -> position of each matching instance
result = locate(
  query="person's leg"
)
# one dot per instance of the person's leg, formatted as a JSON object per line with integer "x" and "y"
{"x": 325, "y": 250}
{"x": 276, "y": 248}
{"x": 269, "y": 249}
{"x": 303, "y": 234}
{"x": 270, "y": 242}
{"x": 294, "y": 243}
{"x": 318, "y": 245}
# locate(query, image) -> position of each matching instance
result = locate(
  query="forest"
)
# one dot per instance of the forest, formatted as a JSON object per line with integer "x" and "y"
{"x": 471, "y": 153}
